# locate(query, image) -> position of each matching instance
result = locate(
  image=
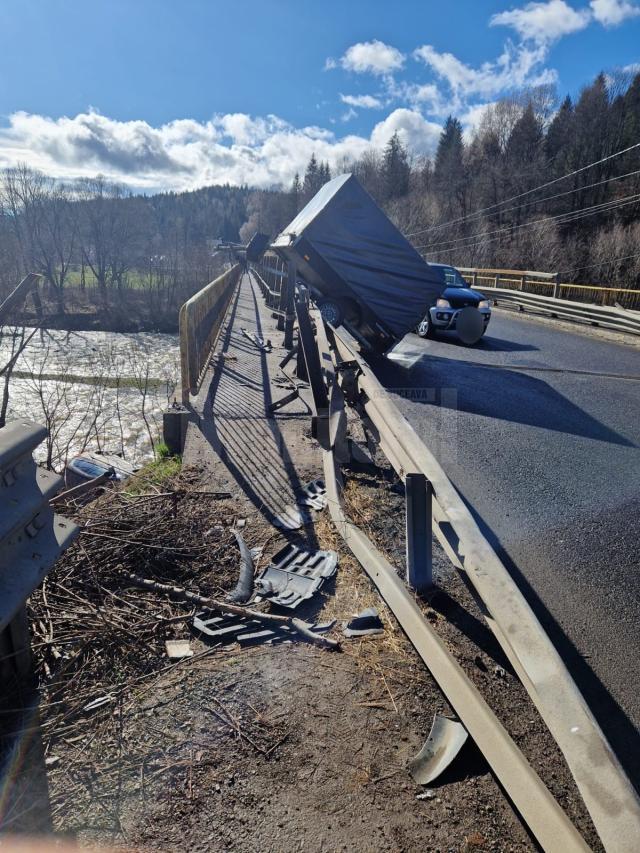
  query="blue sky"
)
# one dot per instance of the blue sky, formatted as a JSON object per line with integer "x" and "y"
{"x": 168, "y": 94}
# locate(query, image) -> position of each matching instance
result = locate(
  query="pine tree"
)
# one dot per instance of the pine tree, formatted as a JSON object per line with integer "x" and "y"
{"x": 312, "y": 178}
{"x": 449, "y": 171}
{"x": 395, "y": 169}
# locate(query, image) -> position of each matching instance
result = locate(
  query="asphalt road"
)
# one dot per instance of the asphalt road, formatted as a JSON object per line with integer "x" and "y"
{"x": 539, "y": 429}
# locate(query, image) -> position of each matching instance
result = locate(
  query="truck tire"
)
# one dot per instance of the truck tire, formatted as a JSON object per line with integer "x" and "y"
{"x": 331, "y": 311}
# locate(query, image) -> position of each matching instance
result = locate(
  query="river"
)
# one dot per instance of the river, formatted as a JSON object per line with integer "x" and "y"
{"x": 94, "y": 390}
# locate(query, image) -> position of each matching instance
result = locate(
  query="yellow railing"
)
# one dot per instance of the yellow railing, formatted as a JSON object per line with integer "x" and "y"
{"x": 200, "y": 323}
{"x": 547, "y": 284}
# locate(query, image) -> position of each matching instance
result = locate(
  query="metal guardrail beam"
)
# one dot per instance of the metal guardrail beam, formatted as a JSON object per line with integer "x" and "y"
{"x": 32, "y": 536}
{"x": 541, "y": 813}
{"x": 599, "y": 315}
{"x": 200, "y": 321}
{"x": 607, "y": 792}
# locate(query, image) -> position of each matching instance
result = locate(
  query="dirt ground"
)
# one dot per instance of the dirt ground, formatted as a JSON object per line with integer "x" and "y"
{"x": 278, "y": 747}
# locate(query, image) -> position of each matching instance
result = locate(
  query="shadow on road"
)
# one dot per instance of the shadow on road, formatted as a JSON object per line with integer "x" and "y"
{"x": 507, "y": 395}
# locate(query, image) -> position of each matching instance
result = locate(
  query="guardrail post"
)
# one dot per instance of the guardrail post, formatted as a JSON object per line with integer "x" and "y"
{"x": 289, "y": 305}
{"x": 418, "y": 511}
{"x": 556, "y": 286}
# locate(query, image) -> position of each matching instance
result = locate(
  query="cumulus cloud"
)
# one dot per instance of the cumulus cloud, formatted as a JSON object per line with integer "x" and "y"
{"x": 545, "y": 22}
{"x": 186, "y": 154}
{"x": 516, "y": 67}
{"x": 416, "y": 133}
{"x": 611, "y": 13}
{"x": 367, "y": 102}
{"x": 370, "y": 57}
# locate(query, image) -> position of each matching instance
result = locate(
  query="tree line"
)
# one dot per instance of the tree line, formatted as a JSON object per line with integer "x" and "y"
{"x": 499, "y": 198}
{"x": 495, "y": 198}
{"x": 95, "y": 236}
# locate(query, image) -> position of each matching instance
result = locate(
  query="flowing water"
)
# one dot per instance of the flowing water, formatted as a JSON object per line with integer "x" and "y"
{"x": 94, "y": 390}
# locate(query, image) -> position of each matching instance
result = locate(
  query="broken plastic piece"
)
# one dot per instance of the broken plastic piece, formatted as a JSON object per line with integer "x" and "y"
{"x": 244, "y": 588}
{"x": 314, "y": 494}
{"x": 367, "y": 622}
{"x": 295, "y": 575}
{"x": 178, "y": 649}
{"x": 445, "y": 741}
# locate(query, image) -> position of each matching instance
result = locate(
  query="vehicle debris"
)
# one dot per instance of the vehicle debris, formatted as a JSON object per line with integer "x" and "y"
{"x": 295, "y": 575}
{"x": 445, "y": 741}
{"x": 257, "y": 341}
{"x": 226, "y": 628}
{"x": 178, "y": 649}
{"x": 366, "y": 623}
{"x": 313, "y": 494}
{"x": 244, "y": 588}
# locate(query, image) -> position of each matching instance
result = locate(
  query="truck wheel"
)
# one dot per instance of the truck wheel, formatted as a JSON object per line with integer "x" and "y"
{"x": 425, "y": 328}
{"x": 331, "y": 312}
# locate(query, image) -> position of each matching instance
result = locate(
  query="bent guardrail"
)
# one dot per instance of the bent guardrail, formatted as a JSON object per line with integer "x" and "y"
{"x": 201, "y": 319}
{"x": 619, "y": 319}
{"x": 608, "y": 794}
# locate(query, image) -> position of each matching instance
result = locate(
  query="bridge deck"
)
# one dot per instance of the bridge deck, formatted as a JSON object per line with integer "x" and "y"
{"x": 241, "y": 446}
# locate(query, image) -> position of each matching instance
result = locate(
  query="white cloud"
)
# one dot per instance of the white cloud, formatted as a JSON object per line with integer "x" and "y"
{"x": 611, "y": 13}
{"x": 367, "y": 102}
{"x": 516, "y": 67}
{"x": 186, "y": 154}
{"x": 417, "y": 134}
{"x": 544, "y": 22}
{"x": 372, "y": 57}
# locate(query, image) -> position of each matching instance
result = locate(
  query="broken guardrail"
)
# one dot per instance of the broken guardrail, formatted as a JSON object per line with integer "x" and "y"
{"x": 620, "y": 319}
{"x": 32, "y": 536}
{"x": 200, "y": 322}
{"x": 607, "y": 792}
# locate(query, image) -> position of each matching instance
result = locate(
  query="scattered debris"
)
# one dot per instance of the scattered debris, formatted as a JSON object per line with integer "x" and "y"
{"x": 223, "y": 629}
{"x": 295, "y": 575}
{"x": 426, "y": 795}
{"x": 178, "y": 649}
{"x": 366, "y": 623}
{"x": 244, "y": 588}
{"x": 313, "y": 494}
{"x": 257, "y": 341}
{"x": 445, "y": 741}
{"x": 480, "y": 663}
{"x": 499, "y": 672}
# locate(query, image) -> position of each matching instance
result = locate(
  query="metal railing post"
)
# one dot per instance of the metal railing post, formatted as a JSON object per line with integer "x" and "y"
{"x": 289, "y": 305}
{"x": 556, "y": 286}
{"x": 418, "y": 511}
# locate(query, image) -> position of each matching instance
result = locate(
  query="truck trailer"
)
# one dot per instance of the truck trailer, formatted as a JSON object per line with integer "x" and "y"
{"x": 361, "y": 271}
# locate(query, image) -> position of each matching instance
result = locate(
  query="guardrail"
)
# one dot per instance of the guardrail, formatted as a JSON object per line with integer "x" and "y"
{"x": 548, "y": 284}
{"x": 271, "y": 274}
{"x": 32, "y": 536}
{"x": 619, "y": 319}
{"x": 201, "y": 319}
{"x": 607, "y": 793}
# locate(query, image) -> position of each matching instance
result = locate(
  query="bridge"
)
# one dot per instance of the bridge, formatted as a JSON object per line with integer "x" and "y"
{"x": 537, "y": 428}
{"x": 519, "y": 459}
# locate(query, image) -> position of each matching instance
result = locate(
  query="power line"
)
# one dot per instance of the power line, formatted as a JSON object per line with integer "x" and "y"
{"x": 602, "y": 263}
{"x": 569, "y": 216}
{"x": 560, "y": 195}
{"x": 606, "y": 207}
{"x": 527, "y": 192}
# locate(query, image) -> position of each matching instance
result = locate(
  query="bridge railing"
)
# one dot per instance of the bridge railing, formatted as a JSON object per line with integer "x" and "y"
{"x": 548, "y": 284}
{"x": 271, "y": 273}
{"x": 201, "y": 319}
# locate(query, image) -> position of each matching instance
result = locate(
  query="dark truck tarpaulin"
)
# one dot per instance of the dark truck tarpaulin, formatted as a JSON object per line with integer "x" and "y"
{"x": 347, "y": 250}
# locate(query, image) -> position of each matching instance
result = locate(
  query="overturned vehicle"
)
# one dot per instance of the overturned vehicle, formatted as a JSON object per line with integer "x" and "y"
{"x": 361, "y": 271}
